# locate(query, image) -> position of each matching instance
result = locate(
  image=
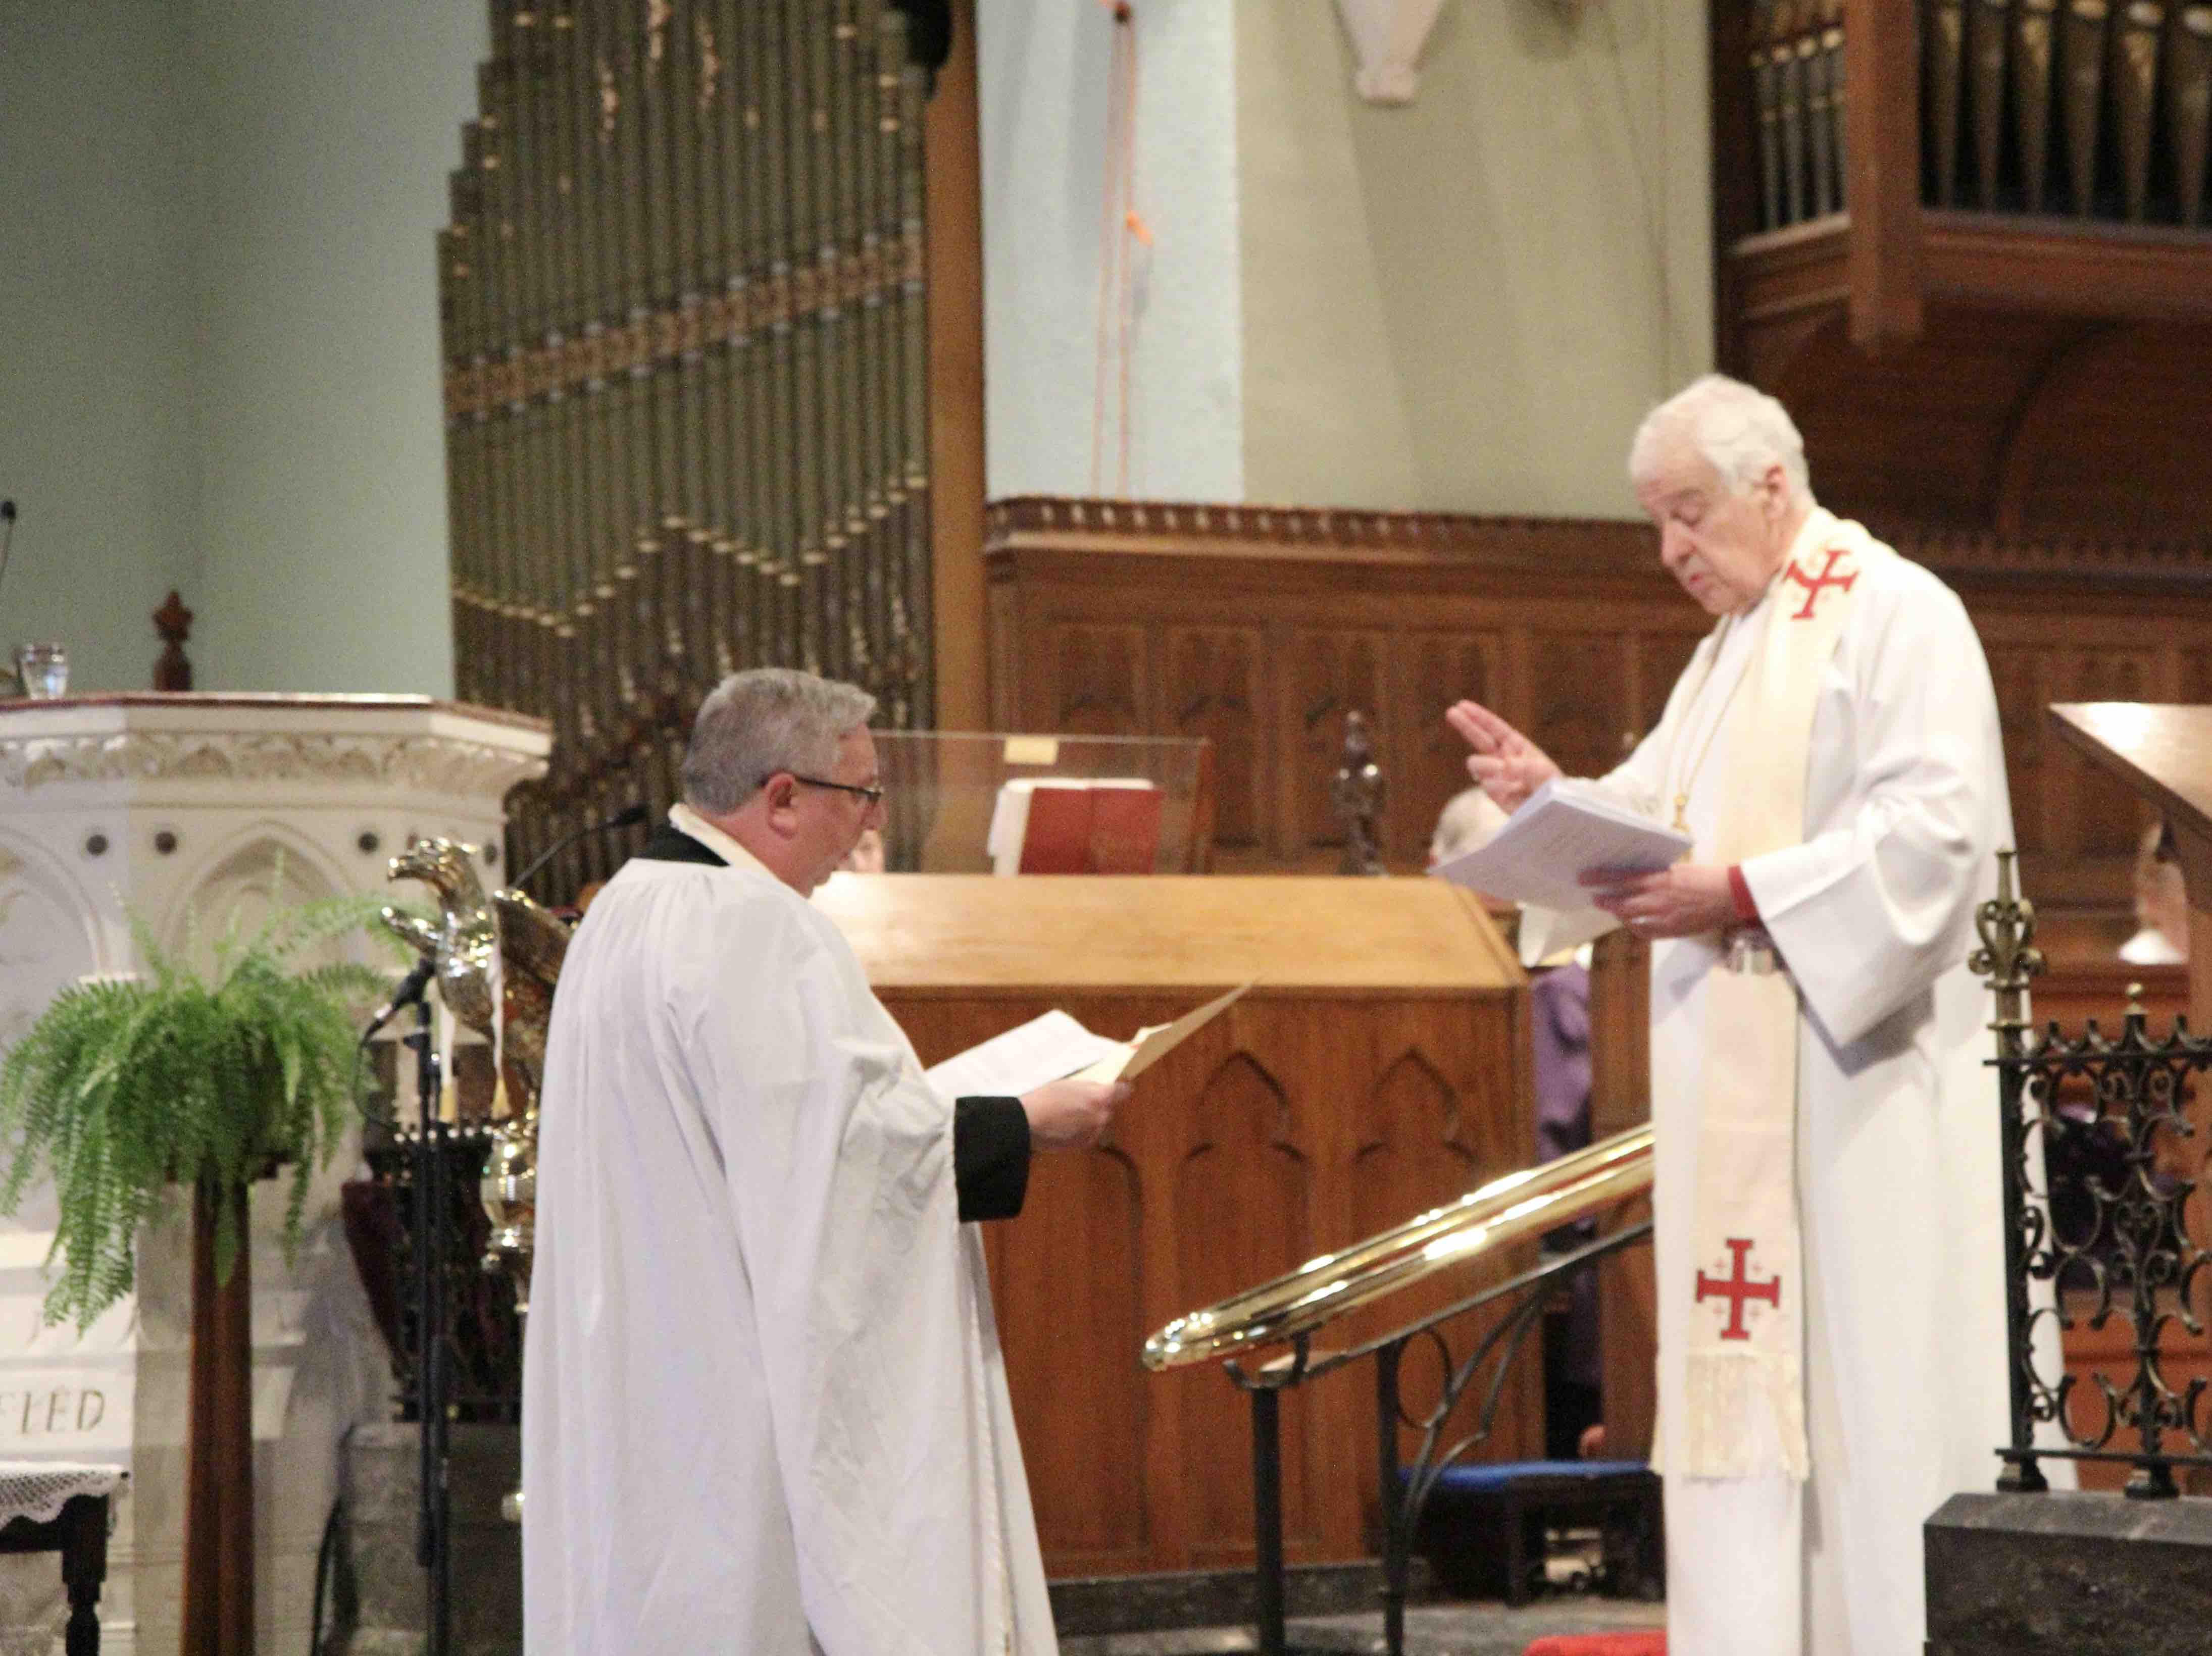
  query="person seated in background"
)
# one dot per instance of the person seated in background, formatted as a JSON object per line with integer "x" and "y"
{"x": 1559, "y": 999}
{"x": 2162, "y": 936}
{"x": 866, "y": 856}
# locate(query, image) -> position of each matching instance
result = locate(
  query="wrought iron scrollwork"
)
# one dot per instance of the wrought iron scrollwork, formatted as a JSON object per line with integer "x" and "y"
{"x": 2100, "y": 1168}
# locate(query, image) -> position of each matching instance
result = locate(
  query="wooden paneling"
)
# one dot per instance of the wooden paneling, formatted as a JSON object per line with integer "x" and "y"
{"x": 1578, "y": 697}
{"x": 1099, "y": 685}
{"x": 1569, "y": 627}
{"x": 1213, "y": 685}
{"x": 1380, "y": 1067}
{"x": 952, "y": 208}
{"x": 1425, "y": 762}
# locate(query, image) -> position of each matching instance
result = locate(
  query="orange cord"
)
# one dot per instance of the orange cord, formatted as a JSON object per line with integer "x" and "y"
{"x": 1118, "y": 223}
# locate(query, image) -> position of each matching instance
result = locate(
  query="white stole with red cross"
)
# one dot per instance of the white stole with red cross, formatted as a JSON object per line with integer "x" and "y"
{"x": 1742, "y": 1411}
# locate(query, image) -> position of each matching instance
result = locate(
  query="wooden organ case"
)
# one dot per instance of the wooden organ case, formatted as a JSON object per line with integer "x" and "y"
{"x": 684, "y": 345}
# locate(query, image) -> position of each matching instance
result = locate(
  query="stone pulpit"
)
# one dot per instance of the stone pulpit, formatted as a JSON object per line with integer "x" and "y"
{"x": 156, "y": 807}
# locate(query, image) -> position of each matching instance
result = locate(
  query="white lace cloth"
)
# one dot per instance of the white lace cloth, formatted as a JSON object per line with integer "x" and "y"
{"x": 32, "y": 1605}
{"x": 37, "y": 1490}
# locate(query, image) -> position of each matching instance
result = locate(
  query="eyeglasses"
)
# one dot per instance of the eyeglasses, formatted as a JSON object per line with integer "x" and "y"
{"x": 873, "y": 796}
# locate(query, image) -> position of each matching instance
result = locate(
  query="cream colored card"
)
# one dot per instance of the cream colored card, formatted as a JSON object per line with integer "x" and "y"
{"x": 1153, "y": 1044}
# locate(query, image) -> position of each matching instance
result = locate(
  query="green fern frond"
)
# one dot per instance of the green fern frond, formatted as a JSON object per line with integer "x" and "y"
{"x": 122, "y": 1088}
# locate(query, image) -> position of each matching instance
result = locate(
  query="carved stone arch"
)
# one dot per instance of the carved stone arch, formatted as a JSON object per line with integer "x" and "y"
{"x": 51, "y": 933}
{"x": 241, "y": 864}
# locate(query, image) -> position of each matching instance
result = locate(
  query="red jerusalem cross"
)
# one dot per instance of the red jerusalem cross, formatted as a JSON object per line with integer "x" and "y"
{"x": 1826, "y": 578}
{"x": 1738, "y": 1288}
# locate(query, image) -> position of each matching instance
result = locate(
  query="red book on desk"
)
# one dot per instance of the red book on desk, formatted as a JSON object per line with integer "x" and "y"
{"x": 1125, "y": 828}
{"x": 1091, "y": 827}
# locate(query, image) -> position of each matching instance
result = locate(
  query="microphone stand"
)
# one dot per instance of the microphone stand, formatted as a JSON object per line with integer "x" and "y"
{"x": 434, "y": 1512}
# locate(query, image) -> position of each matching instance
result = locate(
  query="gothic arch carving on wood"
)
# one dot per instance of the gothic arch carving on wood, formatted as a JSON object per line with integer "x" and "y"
{"x": 1410, "y": 1092}
{"x": 1081, "y": 1251}
{"x": 1242, "y": 1214}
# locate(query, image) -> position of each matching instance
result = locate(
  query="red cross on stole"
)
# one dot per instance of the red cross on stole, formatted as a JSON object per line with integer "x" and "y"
{"x": 1815, "y": 585}
{"x": 1739, "y": 1289}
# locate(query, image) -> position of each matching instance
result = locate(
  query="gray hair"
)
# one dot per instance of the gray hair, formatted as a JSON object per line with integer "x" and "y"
{"x": 754, "y": 723}
{"x": 1740, "y": 431}
{"x": 1467, "y": 823}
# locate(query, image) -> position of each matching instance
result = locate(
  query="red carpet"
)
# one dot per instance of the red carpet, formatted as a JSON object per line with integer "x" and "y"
{"x": 1600, "y": 1644}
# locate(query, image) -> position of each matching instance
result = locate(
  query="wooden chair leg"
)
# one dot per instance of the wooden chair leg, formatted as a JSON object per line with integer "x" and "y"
{"x": 84, "y": 1568}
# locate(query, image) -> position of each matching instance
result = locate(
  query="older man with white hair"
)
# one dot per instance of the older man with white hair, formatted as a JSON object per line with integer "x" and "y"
{"x": 763, "y": 1404}
{"x": 1827, "y": 1186}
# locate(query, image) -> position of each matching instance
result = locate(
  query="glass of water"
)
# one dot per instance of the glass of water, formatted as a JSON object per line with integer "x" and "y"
{"x": 44, "y": 669}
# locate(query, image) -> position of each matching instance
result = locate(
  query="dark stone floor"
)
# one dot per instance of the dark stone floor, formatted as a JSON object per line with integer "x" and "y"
{"x": 1431, "y": 1630}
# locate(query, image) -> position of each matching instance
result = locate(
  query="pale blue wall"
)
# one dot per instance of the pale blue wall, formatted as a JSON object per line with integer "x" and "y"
{"x": 218, "y": 333}
{"x": 323, "y": 135}
{"x": 95, "y": 330}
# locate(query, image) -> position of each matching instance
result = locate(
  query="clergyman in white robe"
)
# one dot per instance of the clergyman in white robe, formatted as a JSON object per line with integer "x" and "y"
{"x": 1898, "y": 1160}
{"x": 764, "y": 1410}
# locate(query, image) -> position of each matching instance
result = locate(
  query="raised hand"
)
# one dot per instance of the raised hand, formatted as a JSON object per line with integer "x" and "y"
{"x": 1508, "y": 765}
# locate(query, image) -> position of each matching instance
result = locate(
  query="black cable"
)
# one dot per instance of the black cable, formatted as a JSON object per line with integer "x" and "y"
{"x": 325, "y": 1565}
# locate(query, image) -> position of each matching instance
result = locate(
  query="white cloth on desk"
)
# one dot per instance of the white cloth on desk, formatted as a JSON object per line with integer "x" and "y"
{"x": 764, "y": 1409}
{"x": 32, "y": 1602}
{"x": 38, "y": 1490}
{"x": 1898, "y": 1168}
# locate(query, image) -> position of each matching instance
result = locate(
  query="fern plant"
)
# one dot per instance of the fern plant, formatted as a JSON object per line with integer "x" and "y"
{"x": 122, "y": 1087}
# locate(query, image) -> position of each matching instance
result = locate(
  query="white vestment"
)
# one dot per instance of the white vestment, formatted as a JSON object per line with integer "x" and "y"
{"x": 764, "y": 1410}
{"x": 1898, "y": 1166}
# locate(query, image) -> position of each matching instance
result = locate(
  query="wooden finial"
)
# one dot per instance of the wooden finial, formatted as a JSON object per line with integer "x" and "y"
{"x": 174, "y": 623}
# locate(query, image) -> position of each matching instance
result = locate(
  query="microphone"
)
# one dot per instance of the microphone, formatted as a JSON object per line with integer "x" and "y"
{"x": 409, "y": 992}
{"x": 621, "y": 819}
{"x": 7, "y": 534}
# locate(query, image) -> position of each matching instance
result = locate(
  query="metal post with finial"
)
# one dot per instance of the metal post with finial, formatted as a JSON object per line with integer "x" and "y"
{"x": 2006, "y": 960}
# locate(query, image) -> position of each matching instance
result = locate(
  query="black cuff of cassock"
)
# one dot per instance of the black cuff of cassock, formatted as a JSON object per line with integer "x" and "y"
{"x": 990, "y": 1157}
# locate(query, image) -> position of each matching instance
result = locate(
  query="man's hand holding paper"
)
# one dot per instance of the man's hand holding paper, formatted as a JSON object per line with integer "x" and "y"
{"x": 1682, "y": 901}
{"x": 1070, "y": 1081}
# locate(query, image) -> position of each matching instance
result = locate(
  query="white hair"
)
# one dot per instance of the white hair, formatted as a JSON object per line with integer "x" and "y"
{"x": 1740, "y": 430}
{"x": 1465, "y": 824}
{"x": 754, "y": 724}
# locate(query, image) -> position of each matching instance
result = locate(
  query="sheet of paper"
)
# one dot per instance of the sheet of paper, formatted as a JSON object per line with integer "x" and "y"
{"x": 1556, "y": 833}
{"x": 1154, "y": 1044}
{"x": 1048, "y": 1047}
{"x": 1026, "y": 1057}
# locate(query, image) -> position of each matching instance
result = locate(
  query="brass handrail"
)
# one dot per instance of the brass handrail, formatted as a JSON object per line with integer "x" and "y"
{"x": 1493, "y": 1216}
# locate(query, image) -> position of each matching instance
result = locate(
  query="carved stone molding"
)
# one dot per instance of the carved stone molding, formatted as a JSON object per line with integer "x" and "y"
{"x": 1387, "y": 38}
{"x": 420, "y": 763}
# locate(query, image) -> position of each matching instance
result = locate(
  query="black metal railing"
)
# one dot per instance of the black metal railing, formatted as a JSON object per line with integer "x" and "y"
{"x": 1519, "y": 1304}
{"x": 2101, "y": 1166}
